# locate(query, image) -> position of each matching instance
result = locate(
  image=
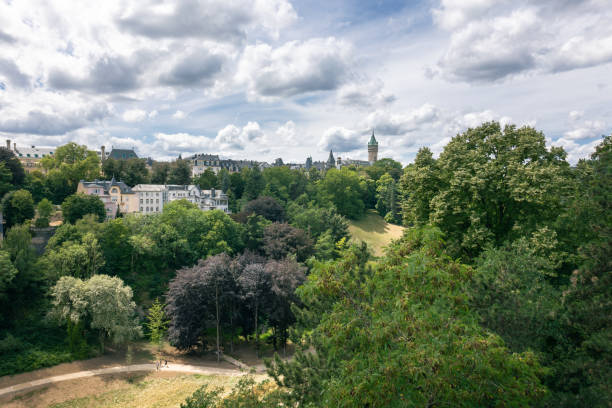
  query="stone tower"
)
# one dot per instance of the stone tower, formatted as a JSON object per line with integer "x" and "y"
{"x": 372, "y": 149}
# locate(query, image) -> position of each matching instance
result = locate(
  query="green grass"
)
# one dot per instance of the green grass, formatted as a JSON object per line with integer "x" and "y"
{"x": 373, "y": 229}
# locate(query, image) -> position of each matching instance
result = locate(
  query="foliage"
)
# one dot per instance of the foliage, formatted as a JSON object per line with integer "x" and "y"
{"x": 283, "y": 184}
{"x": 45, "y": 208}
{"x": 384, "y": 166}
{"x": 17, "y": 207}
{"x": 6, "y": 178}
{"x": 78, "y": 205}
{"x": 157, "y": 323}
{"x": 160, "y": 172}
{"x": 206, "y": 180}
{"x": 343, "y": 189}
{"x": 267, "y": 207}
{"x": 401, "y": 336}
{"x": 254, "y": 183}
{"x": 12, "y": 163}
{"x": 318, "y": 220}
{"x": 488, "y": 186}
{"x": 104, "y": 303}
{"x": 179, "y": 172}
{"x": 387, "y": 203}
{"x": 131, "y": 171}
{"x": 247, "y": 394}
{"x": 280, "y": 240}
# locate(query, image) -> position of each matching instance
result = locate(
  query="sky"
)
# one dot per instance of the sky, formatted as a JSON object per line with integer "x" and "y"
{"x": 261, "y": 79}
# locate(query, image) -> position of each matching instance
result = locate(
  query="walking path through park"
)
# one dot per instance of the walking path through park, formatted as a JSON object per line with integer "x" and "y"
{"x": 183, "y": 368}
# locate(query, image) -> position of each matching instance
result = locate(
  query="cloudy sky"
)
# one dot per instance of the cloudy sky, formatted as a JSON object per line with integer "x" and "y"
{"x": 261, "y": 79}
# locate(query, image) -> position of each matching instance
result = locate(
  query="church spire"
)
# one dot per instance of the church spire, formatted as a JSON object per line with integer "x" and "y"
{"x": 372, "y": 141}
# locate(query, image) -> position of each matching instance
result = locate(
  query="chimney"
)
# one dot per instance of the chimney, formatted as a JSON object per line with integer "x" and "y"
{"x": 102, "y": 153}
{"x": 8, "y": 144}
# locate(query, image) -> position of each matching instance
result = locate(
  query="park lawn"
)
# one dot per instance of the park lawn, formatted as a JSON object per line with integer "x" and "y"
{"x": 373, "y": 229}
{"x": 147, "y": 392}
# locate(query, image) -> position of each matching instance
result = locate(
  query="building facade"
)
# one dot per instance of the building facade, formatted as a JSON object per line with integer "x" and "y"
{"x": 151, "y": 197}
{"x": 201, "y": 162}
{"x": 116, "y": 196}
{"x": 372, "y": 150}
{"x": 30, "y": 157}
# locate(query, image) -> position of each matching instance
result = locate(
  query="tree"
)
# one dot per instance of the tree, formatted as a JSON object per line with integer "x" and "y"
{"x": 285, "y": 277}
{"x": 343, "y": 189}
{"x": 387, "y": 203}
{"x": 317, "y": 220}
{"x": 45, "y": 208}
{"x": 180, "y": 172}
{"x": 78, "y": 205}
{"x": 206, "y": 180}
{"x": 12, "y": 163}
{"x": 8, "y": 272}
{"x": 17, "y": 207}
{"x": 281, "y": 240}
{"x": 157, "y": 323}
{"x": 489, "y": 185}
{"x": 267, "y": 207}
{"x": 37, "y": 184}
{"x": 217, "y": 273}
{"x": 400, "y": 335}
{"x": 95, "y": 259}
{"x": 255, "y": 284}
{"x": 254, "y": 232}
{"x": 103, "y": 302}
{"x": 161, "y": 170}
{"x": 384, "y": 166}
{"x": 254, "y": 182}
{"x": 6, "y": 179}
{"x": 131, "y": 171}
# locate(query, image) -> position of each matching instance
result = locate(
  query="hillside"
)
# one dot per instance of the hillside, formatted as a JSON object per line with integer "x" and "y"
{"x": 373, "y": 229}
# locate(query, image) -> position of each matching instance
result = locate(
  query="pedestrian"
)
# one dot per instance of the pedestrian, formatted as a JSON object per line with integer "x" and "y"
{"x": 165, "y": 363}
{"x": 156, "y": 365}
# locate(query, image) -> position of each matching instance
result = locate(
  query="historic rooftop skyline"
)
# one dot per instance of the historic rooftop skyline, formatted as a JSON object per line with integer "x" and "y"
{"x": 269, "y": 79}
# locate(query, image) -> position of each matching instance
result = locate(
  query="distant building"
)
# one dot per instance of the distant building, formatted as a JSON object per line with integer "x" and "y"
{"x": 308, "y": 162}
{"x": 114, "y": 194}
{"x": 372, "y": 150}
{"x": 153, "y": 197}
{"x": 30, "y": 157}
{"x": 122, "y": 154}
{"x": 331, "y": 162}
{"x": 201, "y": 162}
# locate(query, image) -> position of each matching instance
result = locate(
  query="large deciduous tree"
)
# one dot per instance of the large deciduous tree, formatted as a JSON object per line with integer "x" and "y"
{"x": 344, "y": 190}
{"x": 78, "y": 205}
{"x": 267, "y": 207}
{"x": 281, "y": 240}
{"x": 255, "y": 283}
{"x": 17, "y": 207}
{"x": 488, "y": 186}
{"x": 11, "y": 163}
{"x": 103, "y": 302}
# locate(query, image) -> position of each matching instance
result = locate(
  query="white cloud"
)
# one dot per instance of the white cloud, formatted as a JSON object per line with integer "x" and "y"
{"x": 364, "y": 94}
{"x": 134, "y": 115}
{"x": 179, "y": 114}
{"x": 494, "y": 40}
{"x": 287, "y": 133}
{"x": 340, "y": 139}
{"x": 294, "y": 68}
{"x": 585, "y": 130}
{"x": 388, "y": 123}
{"x": 152, "y": 114}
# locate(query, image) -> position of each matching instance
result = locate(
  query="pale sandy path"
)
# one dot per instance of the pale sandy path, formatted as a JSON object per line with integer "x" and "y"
{"x": 183, "y": 368}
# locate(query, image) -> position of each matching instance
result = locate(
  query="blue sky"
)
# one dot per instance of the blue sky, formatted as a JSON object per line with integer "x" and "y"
{"x": 273, "y": 78}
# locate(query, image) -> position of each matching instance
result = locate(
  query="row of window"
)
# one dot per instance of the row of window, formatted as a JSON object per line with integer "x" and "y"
{"x": 147, "y": 201}
{"x": 35, "y": 155}
{"x": 149, "y": 209}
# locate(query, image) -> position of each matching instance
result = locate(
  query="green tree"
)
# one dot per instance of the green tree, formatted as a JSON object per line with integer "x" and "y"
{"x": 104, "y": 303}
{"x": 254, "y": 183}
{"x": 160, "y": 173}
{"x": 78, "y": 205}
{"x": 420, "y": 183}
{"x": 45, "y": 208}
{"x": 494, "y": 185}
{"x": 11, "y": 162}
{"x": 384, "y": 166}
{"x": 180, "y": 172}
{"x": 343, "y": 189}
{"x": 6, "y": 179}
{"x": 206, "y": 180}
{"x": 387, "y": 203}
{"x": 37, "y": 184}
{"x": 400, "y": 335}
{"x": 157, "y": 323}
{"x": 17, "y": 207}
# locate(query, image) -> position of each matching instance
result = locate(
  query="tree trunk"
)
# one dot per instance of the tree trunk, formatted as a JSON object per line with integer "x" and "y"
{"x": 217, "y": 305}
{"x": 256, "y": 330}
{"x": 232, "y": 328}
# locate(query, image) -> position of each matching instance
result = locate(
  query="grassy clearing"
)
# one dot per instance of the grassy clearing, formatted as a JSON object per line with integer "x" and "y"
{"x": 146, "y": 392}
{"x": 373, "y": 229}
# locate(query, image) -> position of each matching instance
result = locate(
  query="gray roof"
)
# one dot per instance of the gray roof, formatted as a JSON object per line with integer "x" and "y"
{"x": 106, "y": 185}
{"x": 122, "y": 154}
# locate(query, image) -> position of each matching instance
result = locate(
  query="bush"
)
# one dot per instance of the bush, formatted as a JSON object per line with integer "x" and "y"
{"x": 42, "y": 222}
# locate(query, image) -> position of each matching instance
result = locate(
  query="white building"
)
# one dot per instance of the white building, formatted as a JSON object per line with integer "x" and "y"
{"x": 153, "y": 197}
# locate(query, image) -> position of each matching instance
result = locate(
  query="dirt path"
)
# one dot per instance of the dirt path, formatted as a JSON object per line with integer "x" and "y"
{"x": 183, "y": 368}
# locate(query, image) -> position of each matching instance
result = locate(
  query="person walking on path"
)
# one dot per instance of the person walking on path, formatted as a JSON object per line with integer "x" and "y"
{"x": 156, "y": 365}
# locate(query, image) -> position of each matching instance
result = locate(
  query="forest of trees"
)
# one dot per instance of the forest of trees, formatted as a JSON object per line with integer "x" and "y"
{"x": 498, "y": 294}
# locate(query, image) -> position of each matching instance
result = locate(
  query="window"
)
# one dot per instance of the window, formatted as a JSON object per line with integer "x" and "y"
{"x": 157, "y": 201}
{"x": 36, "y": 155}
{"x": 141, "y": 200}
{"x": 28, "y": 154}
{"x": 156, "y": 208}
{"x": 141, "y": 207}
